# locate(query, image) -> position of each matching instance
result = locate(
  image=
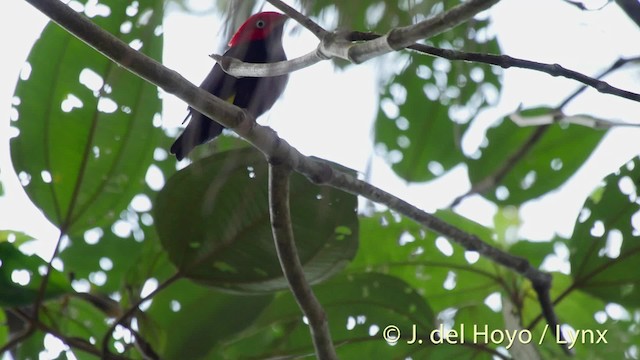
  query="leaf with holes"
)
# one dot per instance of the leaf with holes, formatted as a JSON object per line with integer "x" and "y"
{"x": 87, "y": 127}
{"x": 450, "y": 278}
{"x": 426, "y": 108}
{"x": 189, "y": 319}
{"x": 554, "y": 153}
{"x": 20, "y": 278}
{"x": 359, "y": 307}
{"x": 579, "y": 310}
{"x": 605, "y": 246}
{"x": 213, "y": 220}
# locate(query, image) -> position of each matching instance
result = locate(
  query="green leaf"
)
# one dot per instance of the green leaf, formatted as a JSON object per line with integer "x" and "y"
{"x": 558, "y": 151}
{"x": 189, "y": 319}
{"x": 534, "y": 252}
{"x": 20, "y": 278}
{"x": 213, "y": 220}
{"x": 605, "y": 246}
{"x": 358, "y": 307}
{"x": 4, "y": 327}
{"x": 578, "y": 310}
{"x": 87, "y": 127}
{"x": 449, "y": 277}
{"x": 426, "y": 108}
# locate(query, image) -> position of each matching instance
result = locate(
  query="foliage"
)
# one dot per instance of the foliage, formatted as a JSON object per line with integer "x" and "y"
{"x": 91, "y": 155}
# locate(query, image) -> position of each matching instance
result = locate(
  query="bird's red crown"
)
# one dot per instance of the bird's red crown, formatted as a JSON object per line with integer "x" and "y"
{"x": 258, "y": 27}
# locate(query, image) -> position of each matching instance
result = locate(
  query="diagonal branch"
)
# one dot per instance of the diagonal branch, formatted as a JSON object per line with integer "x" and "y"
{"x": 132, "y": 310}
{"x": 402, "y": 37}
{"x": 267, "y": 141}
{"x": 301, "y": 19}
{"x": 506, "y": 61}
{"x": 290, "y": 262}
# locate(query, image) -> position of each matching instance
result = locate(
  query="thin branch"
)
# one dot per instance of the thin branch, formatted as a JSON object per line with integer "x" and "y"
{"x": 268, "y": 142}
{"x": 615, "y": 66}
{"x": 402, "y": 37}
{"x": 290, "y": 262}
{"x": 73, "y": 342}
{"x": 496, "y": 177}
{"x": 135, "y": 307}
{"x": 580, "y": 5}
{"x": 301, "y": 19}
{"x": 631, "y": 8}
{"x": 45, "y": 278}
{"x": 15, "y": 341}
{"x": 506, "y": 61}
{"x": 33, "y": 320}
{"x": 239, "y": 68}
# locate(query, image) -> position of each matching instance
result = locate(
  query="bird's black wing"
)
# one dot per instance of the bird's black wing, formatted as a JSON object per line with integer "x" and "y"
{"x": 201, "y": 128}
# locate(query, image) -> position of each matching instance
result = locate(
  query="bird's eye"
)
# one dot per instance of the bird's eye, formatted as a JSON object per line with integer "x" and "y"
{"x": 260, "y": 24}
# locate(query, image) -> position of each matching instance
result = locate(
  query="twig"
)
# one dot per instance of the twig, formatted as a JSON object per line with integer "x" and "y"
{"x": 631, "y": 8}
{"x": 28, "y": 331}
{"x": 615, "y": 66}
{"x": 290, "y": 262}
{"x": 402, "y": 37}
{"x": 580, "y": 5}
{"x": 73, "y": 342}
{"x": 135, "y": 307}
{"x": 506, "y": 61}
{"x": 239, "y": 68}
{"x": 305, "y": 21}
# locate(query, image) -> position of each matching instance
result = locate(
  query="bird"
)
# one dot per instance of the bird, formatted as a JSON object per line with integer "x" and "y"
{"x": 257, "y": 40}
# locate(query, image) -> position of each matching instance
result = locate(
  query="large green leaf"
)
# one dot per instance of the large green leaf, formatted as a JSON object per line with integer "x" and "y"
{"x": 558, "y": 150}
{"x": 426, "y": 108}
{"x": 583, "y": 312}
{"x": 190, "y": 319}
{"x": 605, "y": 246}
{"x": 20, "y": 278}
{"x": 451, "y": 279}
{"x": 370, "y": 15}
{"x": 213, "y": 220}
{"x": 359, "y": 307}
{"x": 87, "y": 127}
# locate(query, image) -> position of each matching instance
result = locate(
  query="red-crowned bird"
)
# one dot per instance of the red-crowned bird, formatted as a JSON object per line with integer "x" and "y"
{"x": 258, "y": 40}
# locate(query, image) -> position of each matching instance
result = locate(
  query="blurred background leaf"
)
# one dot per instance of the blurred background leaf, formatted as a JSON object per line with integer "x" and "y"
{"x": 213, "y": 221}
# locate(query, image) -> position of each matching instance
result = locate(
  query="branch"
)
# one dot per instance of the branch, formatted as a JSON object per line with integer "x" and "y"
{"x": 267, "y": 141}
{"x": 615, "y": 66}
{"x": 506, "y": 61}
{"x": 305, "y": 21}
{"x": 402, "y": 37}
{"x": 135, "y": 307}
{"x": 73, "y": 342}
{"x": 290, "y": 262}
{"x": 631, "y": 8}
{"x": 239, "y": 68}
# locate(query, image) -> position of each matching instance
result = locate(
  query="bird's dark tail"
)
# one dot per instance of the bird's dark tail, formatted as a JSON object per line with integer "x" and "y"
{"x": 200, "y": 130}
